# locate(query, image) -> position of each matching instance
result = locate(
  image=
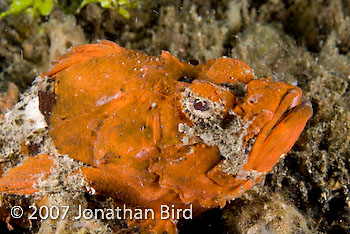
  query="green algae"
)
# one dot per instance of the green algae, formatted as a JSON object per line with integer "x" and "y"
{"x": 38, "y": 8}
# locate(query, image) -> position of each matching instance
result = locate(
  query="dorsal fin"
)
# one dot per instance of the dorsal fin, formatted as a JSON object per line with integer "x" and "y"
{"x": 82, "y": 53}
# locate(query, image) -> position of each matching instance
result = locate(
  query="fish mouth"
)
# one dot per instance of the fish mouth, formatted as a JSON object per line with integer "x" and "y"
{"x": 305, "y": 107}
{"x": 284, "y": 116}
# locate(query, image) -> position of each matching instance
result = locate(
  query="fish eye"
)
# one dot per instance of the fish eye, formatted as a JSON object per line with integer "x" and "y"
{"x": 200, "y": 105}
{"x": 200, "y": 109}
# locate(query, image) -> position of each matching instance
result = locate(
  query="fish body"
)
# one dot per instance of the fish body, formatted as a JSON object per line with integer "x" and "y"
{"x": 153, "y": 130}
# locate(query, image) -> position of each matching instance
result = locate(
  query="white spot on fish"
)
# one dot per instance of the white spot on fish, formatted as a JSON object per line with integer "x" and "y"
{"x": 106, "y": 99}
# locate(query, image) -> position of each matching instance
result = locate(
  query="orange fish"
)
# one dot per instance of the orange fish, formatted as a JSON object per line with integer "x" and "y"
{"x": 156, "y": 131}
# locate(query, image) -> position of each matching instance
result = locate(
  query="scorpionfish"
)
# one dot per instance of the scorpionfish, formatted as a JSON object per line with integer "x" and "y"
{"x": 153, "y": 130}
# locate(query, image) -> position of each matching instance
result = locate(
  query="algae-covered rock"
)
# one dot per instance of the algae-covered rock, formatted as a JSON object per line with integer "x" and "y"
{"x": 265, "y": 215}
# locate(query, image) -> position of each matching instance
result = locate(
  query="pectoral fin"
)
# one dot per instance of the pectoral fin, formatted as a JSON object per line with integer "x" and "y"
{"x": 21, "y": 179}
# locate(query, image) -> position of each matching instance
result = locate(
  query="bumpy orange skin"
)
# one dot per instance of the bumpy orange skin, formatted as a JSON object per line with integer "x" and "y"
{"x": 120, "y": 111}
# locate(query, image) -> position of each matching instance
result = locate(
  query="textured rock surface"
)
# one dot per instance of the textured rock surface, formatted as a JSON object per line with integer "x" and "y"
{"x": 303, "y": 42}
